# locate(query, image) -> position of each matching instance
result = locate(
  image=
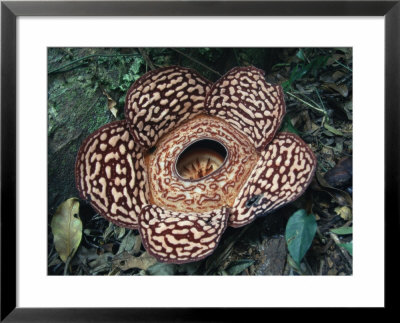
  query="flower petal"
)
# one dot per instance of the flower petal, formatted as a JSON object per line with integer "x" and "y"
{"x": 177, "y": 237}
{"x": 161, "y": 100}
{"x": 247, "y": 102}
{"x": 282, "y": 174}
{"x": 110, "y": 173}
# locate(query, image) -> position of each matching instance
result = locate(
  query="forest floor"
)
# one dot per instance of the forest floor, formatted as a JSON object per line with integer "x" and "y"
{"x": 86, "y": 89}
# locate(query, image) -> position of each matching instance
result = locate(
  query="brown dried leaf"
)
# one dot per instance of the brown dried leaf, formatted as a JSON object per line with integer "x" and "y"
{"x": 67, "y": 228}
{"x": 338, "y": 75}
{"x": 342, "y": 197}
{"x": 348, "y": 108}
{"x": 127, "y": 243}
{"x": 111, "y": 103}
{"x": 101, "y": 263}
{"x": 341, "y": 89}
{"x": 334, "y": 58}
{"x": 125, "y": 261}
{"x": 107, "y": 232}
{"x": 119, "y": 232}
{"x": 341, "y": 174}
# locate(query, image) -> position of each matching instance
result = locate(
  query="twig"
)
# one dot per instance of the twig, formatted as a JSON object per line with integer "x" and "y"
{"x": 308, "y": 266}
{"x": 67, "y": 263}
{"x": 323, "y": 106}
{"x": 236, "y": 57}
{"x": 146, "y": 58}
{"x": 321, "y": 267}
{"x": 196, "y": 61}
{"x": 320, "y": 100}
{"x": 335, "y": 238}
{"x": 308, "y": 98}
{"x": 346, "y": 67}
{"x": 307, "y": 104}
{"x": 87, "y": 57}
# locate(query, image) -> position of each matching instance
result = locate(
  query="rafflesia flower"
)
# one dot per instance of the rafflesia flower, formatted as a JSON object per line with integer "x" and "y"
{"x": 193, "y": 157}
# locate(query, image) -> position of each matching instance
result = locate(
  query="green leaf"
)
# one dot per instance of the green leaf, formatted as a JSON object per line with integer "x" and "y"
{"x": 297, "y": 73}
{"x": 317, "y": 64}
{"x": 287, "y": 126}
{"x": 135, "y": 67}
{"x": 238, "y": 266}
{"x": 348, "y": 246}
{"x": 300, "y": 55}
{"x": 300, "y": 231}
{"x": 286, "y": 86}
{"x": 342, "y": 230}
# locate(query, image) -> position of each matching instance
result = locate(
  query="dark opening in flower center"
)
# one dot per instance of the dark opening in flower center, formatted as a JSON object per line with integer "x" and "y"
{"x": 200, "y": 159}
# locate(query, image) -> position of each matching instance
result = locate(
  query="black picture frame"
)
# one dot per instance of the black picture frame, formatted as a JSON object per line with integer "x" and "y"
{"x": 10, "y": 10}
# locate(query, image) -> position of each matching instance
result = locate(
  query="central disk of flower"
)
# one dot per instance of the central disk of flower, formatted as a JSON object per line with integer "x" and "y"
{"x": 199, "y": 166}
{"x": 200, "y": 159}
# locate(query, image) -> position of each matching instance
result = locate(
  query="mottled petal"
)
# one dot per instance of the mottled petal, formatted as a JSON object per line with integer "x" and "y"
{"x": 177, "y": 237}
{"x": 110, "y": 173}
{"x": 162, "y": 100}
{"x": 281, "y": 175}
{"x": 247, "y": 102}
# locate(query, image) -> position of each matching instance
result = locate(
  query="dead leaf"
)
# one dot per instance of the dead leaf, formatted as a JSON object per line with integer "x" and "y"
{"x": 348, "y": 51}
{"x": 125, "y": 261}
{"x": 341, "y": 89}
{"x": 342, "y": 197}
{"x": 111, "y": 103}
{"x": 107, "y": 232}
{"x": 55, "y": 261}
{"x": 67, "y": 228}
{"x": 334, "y": 59}
{"x": 127, "y": 243}
{"x": 344, "y": 212}
{"x": 328, "y": 155}
{"x": 338, "y": 75}
{"x": 138, "y": 244}
{"x": 348, "y": 108}
{"x": 102, "y": 263}
{"x": 119, "y": 232}
{"x": 333, "y": 130}
{"x": 341, "y": 174}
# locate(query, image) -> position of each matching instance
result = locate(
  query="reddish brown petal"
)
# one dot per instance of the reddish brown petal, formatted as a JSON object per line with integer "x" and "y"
{"x": 281, "y": 175}
{"x": 109, "y": 172}
{"x": 177, "y": 237}
{"x": 161, "y": 100}
{"x": 247, "y": 102}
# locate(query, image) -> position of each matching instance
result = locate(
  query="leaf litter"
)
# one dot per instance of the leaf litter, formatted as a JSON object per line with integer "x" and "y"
{"x": 318, "y": 93}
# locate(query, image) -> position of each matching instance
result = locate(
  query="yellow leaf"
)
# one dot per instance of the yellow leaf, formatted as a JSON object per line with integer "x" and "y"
{"x": 344, "y": 212}
{"x": 67, "y": 228}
